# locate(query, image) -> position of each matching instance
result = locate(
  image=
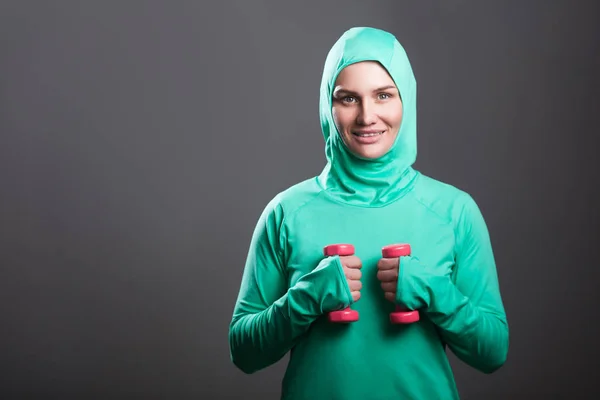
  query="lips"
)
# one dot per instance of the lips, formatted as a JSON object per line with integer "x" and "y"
{"x": 365, "y": 138}
{"x": 370, "y": 133}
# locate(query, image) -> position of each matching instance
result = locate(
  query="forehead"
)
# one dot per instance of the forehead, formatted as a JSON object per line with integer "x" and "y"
{"x": 365, "y": 75}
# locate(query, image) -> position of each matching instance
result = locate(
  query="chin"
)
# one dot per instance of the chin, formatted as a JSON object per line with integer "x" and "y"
{"x": 370, "y": 152}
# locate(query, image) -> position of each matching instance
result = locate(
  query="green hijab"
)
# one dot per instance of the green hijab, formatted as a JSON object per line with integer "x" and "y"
{"x": 347, "y": 177}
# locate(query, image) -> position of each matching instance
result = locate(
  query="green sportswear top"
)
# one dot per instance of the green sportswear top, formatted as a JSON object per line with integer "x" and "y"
{"x": 289, "y": 286}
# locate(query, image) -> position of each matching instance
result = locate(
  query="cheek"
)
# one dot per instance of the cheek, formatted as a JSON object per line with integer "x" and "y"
{"x": 394, "y": 116}
{"x": 342, "y": 118}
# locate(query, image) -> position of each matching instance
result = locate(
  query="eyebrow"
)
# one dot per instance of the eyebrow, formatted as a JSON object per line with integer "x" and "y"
{"x": 346, "y": 91}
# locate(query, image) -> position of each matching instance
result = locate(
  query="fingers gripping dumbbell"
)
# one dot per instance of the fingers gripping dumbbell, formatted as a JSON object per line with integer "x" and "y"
{"x": 401, "y": 315}
{"x": 347, "y": 314}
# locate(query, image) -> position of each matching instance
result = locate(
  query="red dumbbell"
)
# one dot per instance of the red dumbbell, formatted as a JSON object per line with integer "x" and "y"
{"x": 347, "y": 314}
{"x": 401, "y": 315}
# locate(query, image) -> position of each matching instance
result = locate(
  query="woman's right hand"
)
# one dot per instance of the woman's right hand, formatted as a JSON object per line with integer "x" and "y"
{"x": 352, "y": 269}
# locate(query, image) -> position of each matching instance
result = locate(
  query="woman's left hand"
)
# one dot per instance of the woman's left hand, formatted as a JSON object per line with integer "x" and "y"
{"x": 405, "y": 281}
{"x": 387, "y": 273}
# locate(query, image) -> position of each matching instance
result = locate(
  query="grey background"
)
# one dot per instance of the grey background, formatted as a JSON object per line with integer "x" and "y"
{"x": 141, "y": 140}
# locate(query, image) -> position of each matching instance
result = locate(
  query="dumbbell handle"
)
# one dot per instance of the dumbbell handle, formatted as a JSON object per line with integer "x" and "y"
{"x": 401, "y": 315}
{"x": 347, "y": 314}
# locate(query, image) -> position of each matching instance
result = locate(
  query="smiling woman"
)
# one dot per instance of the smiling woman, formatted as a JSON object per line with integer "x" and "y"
{"x": 367, "y": 109}
{"x": 332, "y": 307}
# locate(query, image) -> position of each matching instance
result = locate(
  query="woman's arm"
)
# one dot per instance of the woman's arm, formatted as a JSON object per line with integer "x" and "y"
{"x": 467, "y": 307}
{"x": 269, "y": 317}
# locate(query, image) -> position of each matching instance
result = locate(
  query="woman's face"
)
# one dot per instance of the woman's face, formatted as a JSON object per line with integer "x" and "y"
{"x": 367, "y": 109}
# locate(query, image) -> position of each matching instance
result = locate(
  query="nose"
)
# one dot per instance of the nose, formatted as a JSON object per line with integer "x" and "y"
{"x": 366, "y": 114}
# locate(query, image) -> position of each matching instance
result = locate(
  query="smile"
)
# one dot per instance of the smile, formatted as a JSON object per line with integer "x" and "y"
{"x": 369, "y": 134}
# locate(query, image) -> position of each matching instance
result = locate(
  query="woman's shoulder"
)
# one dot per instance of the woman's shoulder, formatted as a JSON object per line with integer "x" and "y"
{"x": 294, "y": 197}
{"x": 446, "y": 200}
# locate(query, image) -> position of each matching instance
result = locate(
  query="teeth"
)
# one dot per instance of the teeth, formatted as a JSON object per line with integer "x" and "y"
{"x": 368, "y": 134}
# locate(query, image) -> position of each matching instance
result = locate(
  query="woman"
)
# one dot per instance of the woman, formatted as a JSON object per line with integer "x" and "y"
{"x": 369, "y": 196}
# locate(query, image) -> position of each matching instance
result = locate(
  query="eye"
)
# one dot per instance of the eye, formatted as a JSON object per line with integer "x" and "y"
{"x": 384, "y": 96}
{"x": 348, "y": 99}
